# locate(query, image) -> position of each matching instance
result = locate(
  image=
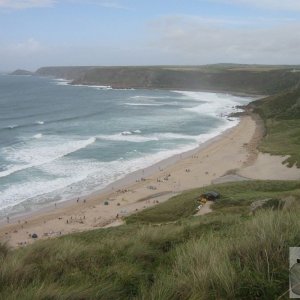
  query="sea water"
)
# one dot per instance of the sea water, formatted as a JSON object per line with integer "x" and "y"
{"x": 59, "y": 141}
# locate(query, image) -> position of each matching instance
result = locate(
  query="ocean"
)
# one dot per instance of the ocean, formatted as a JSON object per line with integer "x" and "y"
{"x": 60, "y": 142}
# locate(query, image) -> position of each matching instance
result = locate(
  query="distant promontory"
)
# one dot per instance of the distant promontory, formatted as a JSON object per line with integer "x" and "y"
{"x": 21, "y": 72}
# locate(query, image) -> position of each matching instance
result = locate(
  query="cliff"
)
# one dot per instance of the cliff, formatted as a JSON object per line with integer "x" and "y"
{"x": 221, "y": 77}
{"x": 69, "y": 73}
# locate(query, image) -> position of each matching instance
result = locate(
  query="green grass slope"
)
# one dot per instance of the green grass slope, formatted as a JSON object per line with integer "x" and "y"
{"x": 281, "y": 115}
{"x": 227, "y": 254}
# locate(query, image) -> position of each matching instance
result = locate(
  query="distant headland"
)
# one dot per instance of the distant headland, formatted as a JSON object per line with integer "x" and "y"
{"x": 21, "y": 72}
{"x": 250, "y": 79}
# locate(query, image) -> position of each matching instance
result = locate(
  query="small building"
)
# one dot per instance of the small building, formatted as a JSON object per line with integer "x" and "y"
{"x": 210, "y": 196}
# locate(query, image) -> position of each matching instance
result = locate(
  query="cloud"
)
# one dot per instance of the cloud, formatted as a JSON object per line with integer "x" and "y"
{"x": 288, "y": 5}
{"x": 23, "y": 4}
{"x": 194, "y": 41}
{"x": 24, "y": 48}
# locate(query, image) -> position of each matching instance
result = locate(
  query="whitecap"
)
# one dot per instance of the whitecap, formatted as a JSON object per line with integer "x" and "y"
{"x": 144, "y": 104}
{"x": 28, "y": 155}
{"x": 127, "y": 138}
{"x": 98, "y": 87}
{"x": 151, "y": 97}
{"x": 38, "y": 136}
{"x": 12, "y": 126}
{"x": 61, "y": 81}
{"x": 126, "y": 133}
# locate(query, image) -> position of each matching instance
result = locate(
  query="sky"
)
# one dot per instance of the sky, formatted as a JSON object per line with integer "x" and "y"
{"x": 36, "y": 33}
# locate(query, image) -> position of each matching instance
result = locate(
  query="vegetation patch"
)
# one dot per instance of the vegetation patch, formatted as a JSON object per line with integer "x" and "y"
{"x": 281, "y": 115}
{"x": 235, "y": 198}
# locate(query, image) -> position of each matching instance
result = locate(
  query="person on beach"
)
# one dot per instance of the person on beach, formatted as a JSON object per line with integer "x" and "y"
{"x": 7, "y": 219}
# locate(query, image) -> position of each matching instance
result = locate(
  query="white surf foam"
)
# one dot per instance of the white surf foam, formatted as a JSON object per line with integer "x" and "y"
{"x": 126, "y": 137}
{"x": 175, "y": 136}
{"x": 40, "y": 122}
{"x": 144, "y": 104}
{"x": 12, "y": 126}
{"x": 151, "y": 97}
{"x": 213, "y": 104}
{"x": 80, "y": 177}
{"x": 66, "y": 171}
{"x": 38, "y": 136}
{"x": 98, "y": 87}
{"x": 28, "y": 155}
{"x": 102, "y": 87}
{"x": 126, "y": 133}
{"x": 61, "y": 81}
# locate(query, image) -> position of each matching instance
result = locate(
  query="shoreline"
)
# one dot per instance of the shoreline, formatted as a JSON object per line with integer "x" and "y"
{"x": 123, "y": 182}
{"x": 125, "y": 179}
{"x": 230, "y": 156}
{"x": 187, "y": 170}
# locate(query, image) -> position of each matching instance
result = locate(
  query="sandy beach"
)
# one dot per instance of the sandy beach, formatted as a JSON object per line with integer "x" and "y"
{"x": 230, "y": 156}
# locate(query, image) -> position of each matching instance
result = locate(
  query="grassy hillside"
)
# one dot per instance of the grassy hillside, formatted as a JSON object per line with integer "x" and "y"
{"x": 224, "y": 255}
{"x": 254, "y": 79}
{"x": 281, "y": 114}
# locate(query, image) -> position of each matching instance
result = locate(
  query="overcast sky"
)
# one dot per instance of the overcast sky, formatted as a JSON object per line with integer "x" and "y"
{"x": 35, "y": 33}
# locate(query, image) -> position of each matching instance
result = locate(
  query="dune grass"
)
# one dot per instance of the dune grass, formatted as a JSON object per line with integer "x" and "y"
{"x": 281, "y": 115}
{"x": 235, "y": 198}
{"x": 283, "y": 138}
{"x": 223, "y": 255}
